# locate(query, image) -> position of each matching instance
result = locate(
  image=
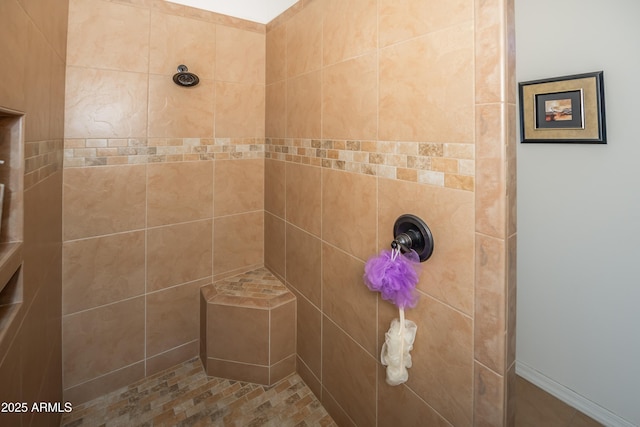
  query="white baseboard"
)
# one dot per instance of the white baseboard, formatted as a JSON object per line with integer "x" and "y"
{"x": 570, "y": 397}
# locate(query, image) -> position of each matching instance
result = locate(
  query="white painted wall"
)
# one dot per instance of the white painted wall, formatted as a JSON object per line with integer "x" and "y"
{"x": 262, "y": 11}
{"x": 579, "y": 215}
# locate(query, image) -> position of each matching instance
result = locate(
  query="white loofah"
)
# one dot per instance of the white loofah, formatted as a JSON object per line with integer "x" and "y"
{"x": 395, "y": 350}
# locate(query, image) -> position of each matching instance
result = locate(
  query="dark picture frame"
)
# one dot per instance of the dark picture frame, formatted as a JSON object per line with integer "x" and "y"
{"x": 567, "y": 109}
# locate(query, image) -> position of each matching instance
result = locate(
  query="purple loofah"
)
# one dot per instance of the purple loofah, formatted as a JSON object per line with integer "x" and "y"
{"x": 395, "y": 276}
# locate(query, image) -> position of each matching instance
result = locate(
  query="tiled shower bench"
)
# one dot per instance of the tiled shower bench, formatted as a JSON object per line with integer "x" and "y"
{"x": 247, "y": 328}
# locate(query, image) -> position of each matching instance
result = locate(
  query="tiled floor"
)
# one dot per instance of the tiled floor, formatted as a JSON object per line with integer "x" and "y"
{"x": 184, "y": 396}
{"x": 537, "y": 408}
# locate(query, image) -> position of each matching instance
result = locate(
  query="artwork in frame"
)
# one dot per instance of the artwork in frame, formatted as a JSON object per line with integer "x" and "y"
{"x": 568, "y": 109}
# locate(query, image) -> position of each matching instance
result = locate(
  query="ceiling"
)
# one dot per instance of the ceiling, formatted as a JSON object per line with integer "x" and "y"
{"x": 261, "y": 11}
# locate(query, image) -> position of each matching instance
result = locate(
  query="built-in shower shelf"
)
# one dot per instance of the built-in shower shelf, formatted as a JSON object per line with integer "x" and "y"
{"x": 248, "y": 328}
{"x": 11, "y": 224}
{"x": 10, "y": 291}
{"x": 10, "y": 260}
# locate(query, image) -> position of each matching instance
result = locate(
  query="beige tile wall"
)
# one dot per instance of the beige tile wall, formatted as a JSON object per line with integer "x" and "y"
{"x": 368, "y": 113}
{"x": 163, "y": 185}
{"x": 376, "y": 109}
{"x": 32, "y": 84}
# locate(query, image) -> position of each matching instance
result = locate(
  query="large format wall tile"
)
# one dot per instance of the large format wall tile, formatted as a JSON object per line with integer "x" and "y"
{"x": 303, "y": 197}
{"x": 274, "y": 244}
{"x": 304, "y": 41}
{"x": 177, "y": 40}
{"x": 489, "y": 397}
{"x": 32, "y": 80}
{"x": 172, "y": 317}
{"x": 56, "y": 123}
{"x": 349, "y": 204}
{"x": 304, "y": 104}
{"x": 242, "y": 55}
{"x": 399, "y": 405}
{"x": 224, "y": 322}
{"x": 102, "y": 340}
{"x": 42, "y": 231}
{"x": 491, "y": 172}
{"x": 449, "y": 274}
{"x": 309, "y": 335}
{"x": 38, "y": 77}
{"x": 435, "y": 104}
{"x": 102, "y": 270}
{"x": 15, "y": 34}
{"x": 490, "y": 303}
{"x": 345, "y": 298}
{"x": 101, "y": 201}
{"x": 105, "y": 104}
{"x": 98, "y": 386}
{"x": 180, "y": 112}
{"x": 335, "y": 410}
{"x": 170, "y": 358}
{"x": 324, "y": 61}
{"x": 276, "y": 54}
{"x": 238, "y": 242}
{"x": 239, "y": 110}
{"x": 274, "y": 187}
{"x": 276, "y": 110}
{"x": 406, "y": 19}
{"x": 303, "y": 251}
{"x": 122, "y": 106}
{"x": 239, "y": 186}
{"x": 349, "y": 374}
{"x": 282, "y": 335}
{"x": 179, "y": 192}
{"x": 98, "y": 30}
{"x": 349, "y": 99}
{"x": 495, "y": 53}
{"x": 442, "y": 371}
{"x": 52, "y": 19}
{"x": 178, "y": 254}
{"x": 349, "y": 29}
{"x": 36, "y": 349}
{"x": 10, "y": 372}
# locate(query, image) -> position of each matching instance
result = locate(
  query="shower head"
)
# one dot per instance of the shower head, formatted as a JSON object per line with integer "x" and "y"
{"x": 184, "y": 78}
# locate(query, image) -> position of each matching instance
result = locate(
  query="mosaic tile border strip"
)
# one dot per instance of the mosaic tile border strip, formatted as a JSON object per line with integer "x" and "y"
{"x": 450, "y": 165}
{"x": 122, "y": 151}
{"x": 41, "y": 160}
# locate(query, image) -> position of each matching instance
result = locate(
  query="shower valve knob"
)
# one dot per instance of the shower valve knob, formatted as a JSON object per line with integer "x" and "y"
{"x": 412, "y": 233}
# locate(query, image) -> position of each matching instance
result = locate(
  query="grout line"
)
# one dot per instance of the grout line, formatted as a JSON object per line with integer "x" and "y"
{"x": 373, "y": 356}
{"x": 142, "y": 295}
{"x": 322, "y": 343}
{"x": 115, "y": 371}
{"x": 269, "y": 348}
{"x": 99, "y": 236}
{"x": 238, "y": 362}
{"x": 146, "y": 258}
{"x": 213, "y": 219}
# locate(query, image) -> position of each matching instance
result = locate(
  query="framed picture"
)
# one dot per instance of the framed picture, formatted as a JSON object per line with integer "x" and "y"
{"x": 567, "y": 109}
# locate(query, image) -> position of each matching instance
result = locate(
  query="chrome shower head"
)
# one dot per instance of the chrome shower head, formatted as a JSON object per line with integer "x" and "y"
{"x": 184, "y": 78}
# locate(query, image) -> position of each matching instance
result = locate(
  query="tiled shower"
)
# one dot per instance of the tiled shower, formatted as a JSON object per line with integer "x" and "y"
{"x": 304, "y": 141}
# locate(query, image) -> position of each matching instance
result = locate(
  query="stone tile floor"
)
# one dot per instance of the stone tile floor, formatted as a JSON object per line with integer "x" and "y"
{"x": 185, "y": 396}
